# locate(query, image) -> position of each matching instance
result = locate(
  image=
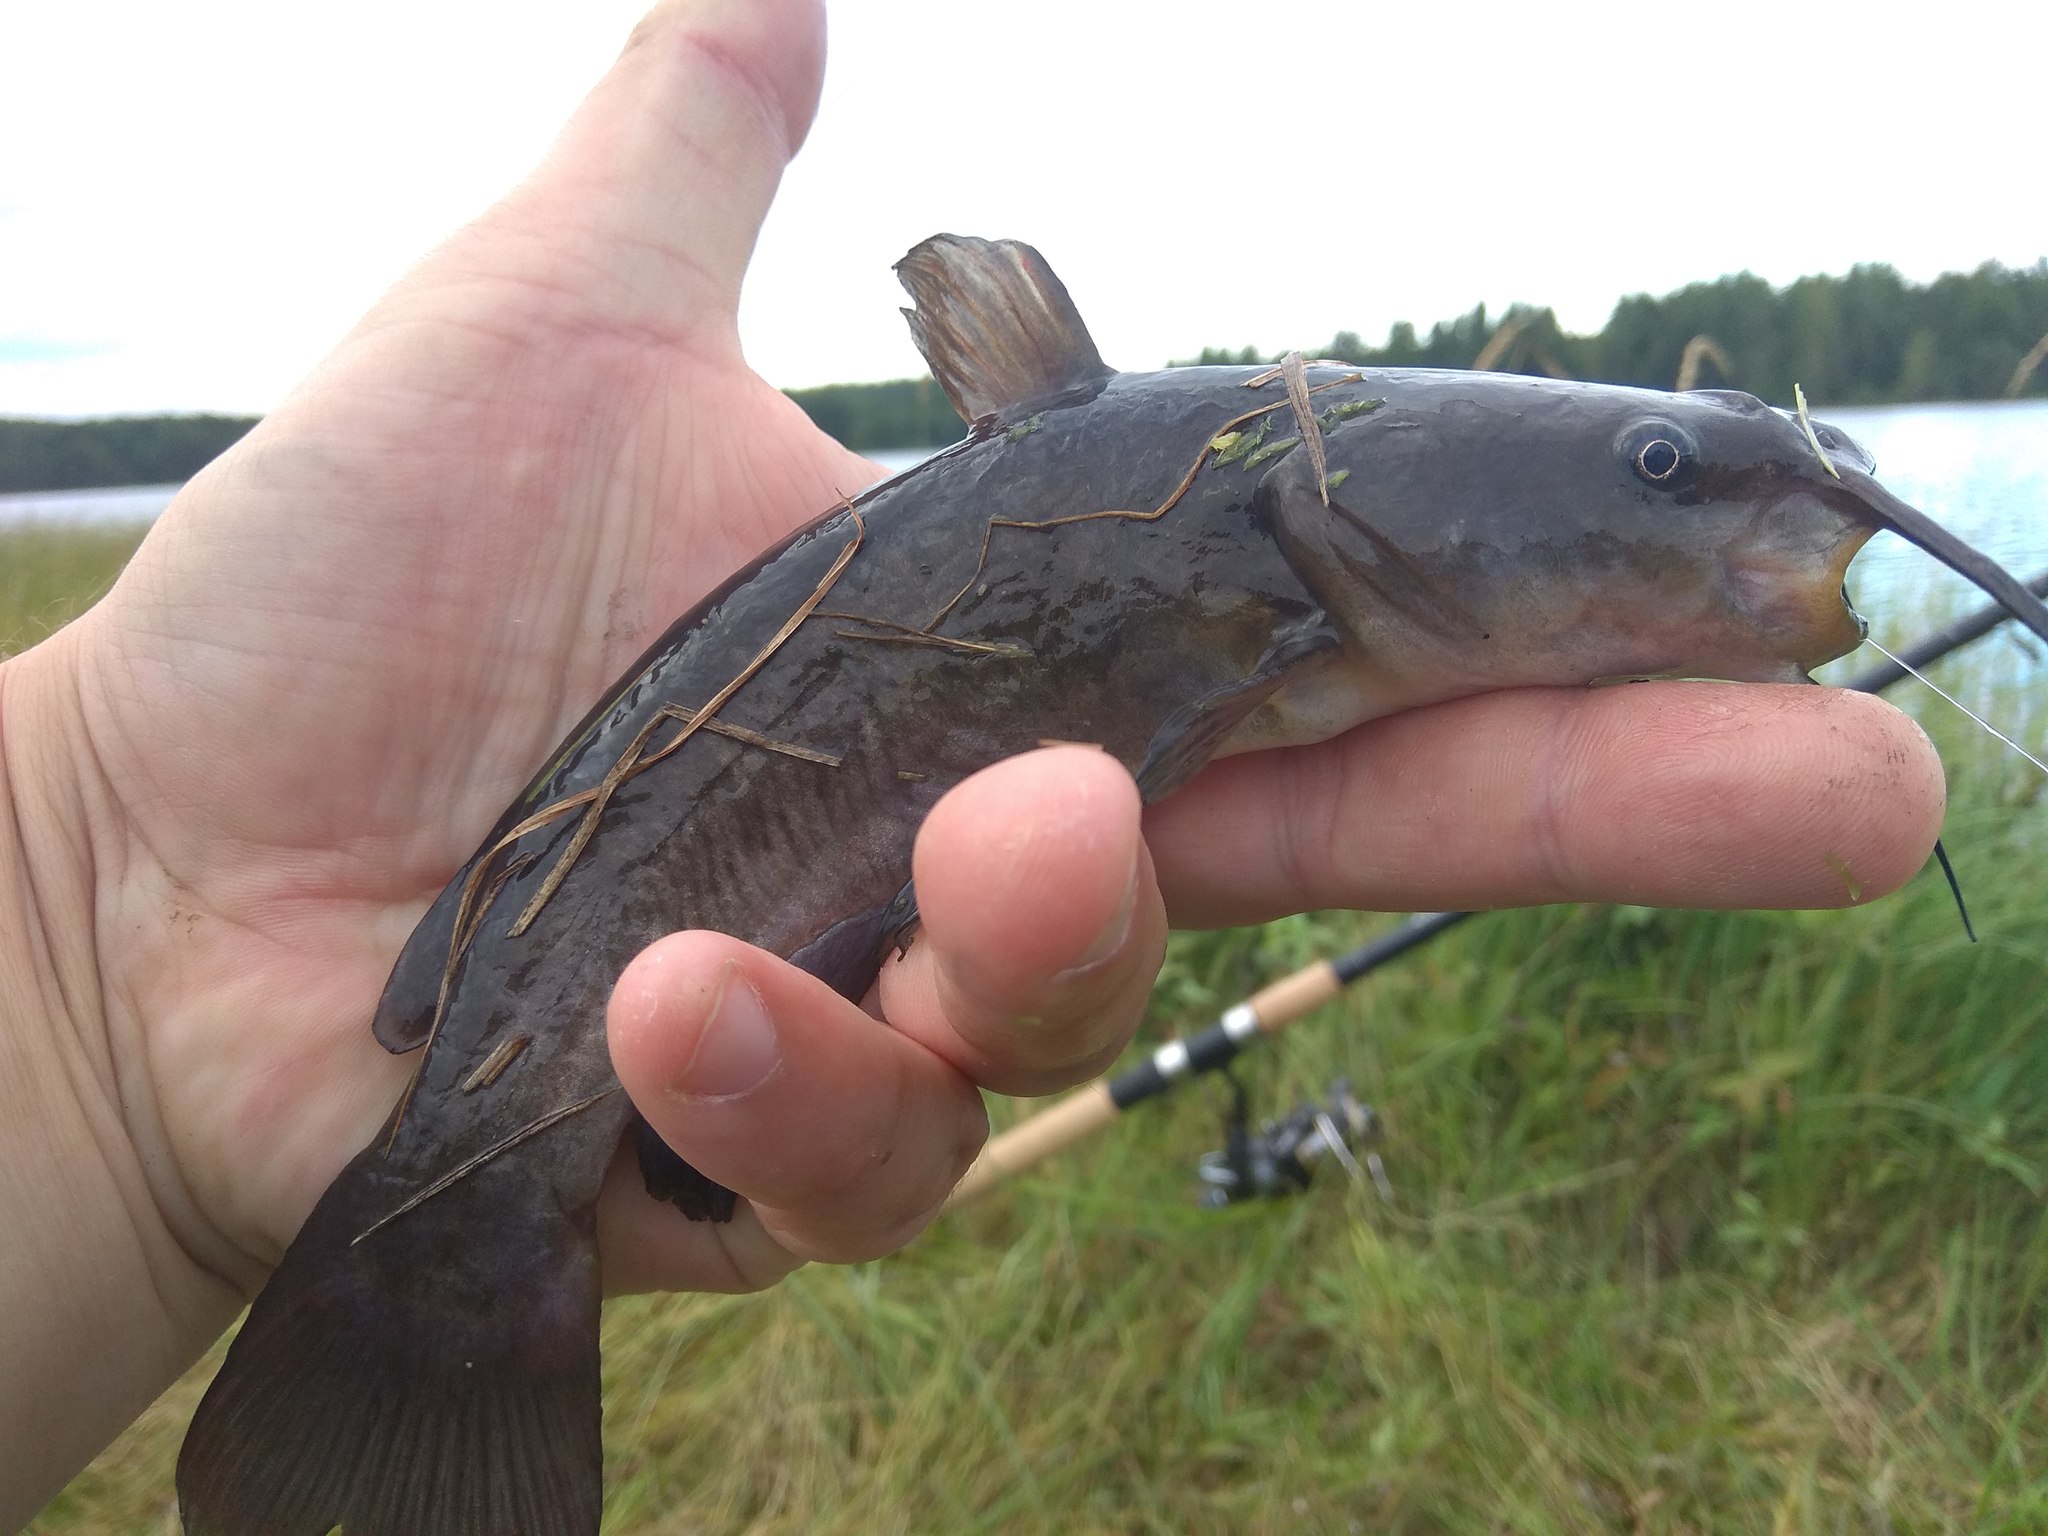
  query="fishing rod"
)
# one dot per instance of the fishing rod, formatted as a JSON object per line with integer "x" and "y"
{"x": 1090, "y": 1109}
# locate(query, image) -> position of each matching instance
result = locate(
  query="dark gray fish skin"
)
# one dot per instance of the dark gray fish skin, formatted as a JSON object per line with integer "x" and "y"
{"x": 424, "y": 1361}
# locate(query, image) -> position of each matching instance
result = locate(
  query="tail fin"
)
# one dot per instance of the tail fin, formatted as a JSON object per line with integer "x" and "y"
{"x": 437, "y": 1378}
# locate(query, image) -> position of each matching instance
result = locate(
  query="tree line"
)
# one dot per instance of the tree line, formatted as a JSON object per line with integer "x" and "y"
{"x": 900, "y": 413}
{"x": 119, "y": 450}
{"x": 1868, "y": 338}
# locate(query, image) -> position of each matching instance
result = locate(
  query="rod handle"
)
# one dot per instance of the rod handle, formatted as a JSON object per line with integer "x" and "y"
{"x": 1030, "y": 1142}
{"x": 1282, "y": 1002}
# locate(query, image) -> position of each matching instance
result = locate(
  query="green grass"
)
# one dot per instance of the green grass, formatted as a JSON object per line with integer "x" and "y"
{"x": 1706, "y": 1224}
{"x": 49, "y": 574}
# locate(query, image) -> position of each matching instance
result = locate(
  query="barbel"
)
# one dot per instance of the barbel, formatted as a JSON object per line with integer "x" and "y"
{"x": 1174, "y": 565}
{"x": 1093, "y": 1108}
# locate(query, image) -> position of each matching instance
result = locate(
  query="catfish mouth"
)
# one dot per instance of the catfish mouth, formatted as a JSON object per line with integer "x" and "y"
{"x": 1879, "y": 507}
{"x": 1789, "y": 584}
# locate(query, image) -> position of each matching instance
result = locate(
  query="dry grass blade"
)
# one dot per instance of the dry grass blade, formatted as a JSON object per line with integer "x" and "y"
{"x": 1294, "y": 374}
{"x": 1813, "y": 440}
{"x": 497, "y": 1149}
{"x": 592, "y": 802}
{"x": 1209, "y": 448}
{"x": 636, "y": 759}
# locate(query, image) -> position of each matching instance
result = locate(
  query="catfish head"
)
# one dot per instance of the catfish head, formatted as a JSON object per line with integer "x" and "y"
{"x": 1486, "y": 531}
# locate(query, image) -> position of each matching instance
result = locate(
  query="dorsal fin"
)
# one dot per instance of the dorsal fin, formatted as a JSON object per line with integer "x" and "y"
{"x": 995, "y": 325}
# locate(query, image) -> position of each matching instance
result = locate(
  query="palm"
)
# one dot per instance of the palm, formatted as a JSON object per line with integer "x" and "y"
{"x": 427, "y": 582}
{"x": 337, "y": 658}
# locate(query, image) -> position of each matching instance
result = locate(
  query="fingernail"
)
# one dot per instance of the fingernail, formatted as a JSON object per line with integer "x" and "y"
{"x": 736, "y": 1047}
{"x": 1114, "y": 932}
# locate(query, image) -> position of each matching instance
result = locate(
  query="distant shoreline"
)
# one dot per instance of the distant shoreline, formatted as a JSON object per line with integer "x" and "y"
{"x": 98, "y": 505}
{"x": 1866, "y": 339}
{"x": 20, "y": 501}
{"x": 102, "y": 506}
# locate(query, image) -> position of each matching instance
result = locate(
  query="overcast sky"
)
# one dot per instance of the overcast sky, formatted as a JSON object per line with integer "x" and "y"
{"x": 196, "y": 200}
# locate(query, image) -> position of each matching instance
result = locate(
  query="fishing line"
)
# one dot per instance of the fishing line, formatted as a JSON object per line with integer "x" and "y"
{"x": 1959, "y": 704}
{"x": 1094, "y": 1108}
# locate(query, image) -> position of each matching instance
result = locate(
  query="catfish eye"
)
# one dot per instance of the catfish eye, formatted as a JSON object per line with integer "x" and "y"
{"x": 1658, "y": 460}
{"x": 1661, "y": 453}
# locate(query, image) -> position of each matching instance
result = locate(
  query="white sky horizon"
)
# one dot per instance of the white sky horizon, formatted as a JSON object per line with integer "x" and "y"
{"x": 197, "y": 203}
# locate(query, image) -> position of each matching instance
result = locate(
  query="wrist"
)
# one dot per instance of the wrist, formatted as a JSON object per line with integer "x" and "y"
{"x": 100, "y": 1306}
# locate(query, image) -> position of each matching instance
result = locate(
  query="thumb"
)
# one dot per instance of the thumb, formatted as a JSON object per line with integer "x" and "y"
{"x": 659, "y": 182}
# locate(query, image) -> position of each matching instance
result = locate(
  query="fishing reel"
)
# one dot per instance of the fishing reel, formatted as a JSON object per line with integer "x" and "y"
{"x": 1281, "y": 1156}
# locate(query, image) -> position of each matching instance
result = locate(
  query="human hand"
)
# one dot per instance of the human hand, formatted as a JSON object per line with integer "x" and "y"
{"x": 345, "y": 647}
{"x": 342, "y": 651}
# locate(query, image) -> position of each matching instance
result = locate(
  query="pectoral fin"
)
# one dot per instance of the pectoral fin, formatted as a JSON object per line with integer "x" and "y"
{"x": 1192, "y": 734}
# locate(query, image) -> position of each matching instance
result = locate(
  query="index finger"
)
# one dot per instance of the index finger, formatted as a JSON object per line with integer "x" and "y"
{"x": 1664, "y": 794}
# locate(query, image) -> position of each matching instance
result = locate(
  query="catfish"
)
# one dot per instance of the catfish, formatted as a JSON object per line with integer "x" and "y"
{"x": 1174, "y": 565}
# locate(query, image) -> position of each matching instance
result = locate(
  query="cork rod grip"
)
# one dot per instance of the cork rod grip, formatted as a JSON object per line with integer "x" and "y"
{"x": 1290, "y": 997}
{"x": 1030, "y": 1142}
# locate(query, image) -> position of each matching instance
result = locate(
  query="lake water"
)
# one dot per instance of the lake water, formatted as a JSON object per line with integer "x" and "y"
{"x": 1979, "y": 469}
{"x": 122, "y": 504}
